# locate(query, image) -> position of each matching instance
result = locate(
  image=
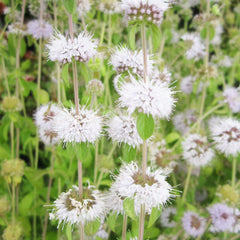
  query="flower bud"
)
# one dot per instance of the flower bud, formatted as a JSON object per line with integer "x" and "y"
{"x": 11, "y": 104}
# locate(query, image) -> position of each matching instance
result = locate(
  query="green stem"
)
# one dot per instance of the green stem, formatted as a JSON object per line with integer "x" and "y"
{"x": 141, "y": 222}
{"x": 5, "y": 77}
{"x": 13, "y": 204}
{"x": 234, "y": 169}
{"x": 124, "y": 229}
{"x": 187, "y": 183}
{"x": 12, "y": 138}
{"x": 144, "y": 158}
{"x": 144, "y": 46}
{"x": 102, "y": 34}
{"x": 58, "y": 84}
{"x": 96, "y": 162}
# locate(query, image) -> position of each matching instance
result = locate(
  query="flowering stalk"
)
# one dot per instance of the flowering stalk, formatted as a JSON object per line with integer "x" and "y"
{"x": 124, "y": 228}
{"x": 187, "y": 183}
{"x": 234, "y": 169}
{"x": 141, "y": 222}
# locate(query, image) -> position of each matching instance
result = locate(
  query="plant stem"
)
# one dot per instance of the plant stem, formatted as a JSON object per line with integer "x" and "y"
{"x": 12, "y": 138}
{"x": 58, "y": 84}
{"x": 96, "y": 163}
{"x": 5, "y": 77}
{"x": 234, "y": 169}
{"x": 81, "y": 232}
{"x": 187, "y": 183}
{"x": 75, "y": 83}
{"x": 48, "y": 195}
{"x": 144, "y": 46}
{"x": 144, "y": 158}
{"x": 141, "y": 222}
{"x": 124, "y": 229}
{"x": 80, "y": 188}
{"x": 13, "y": 204}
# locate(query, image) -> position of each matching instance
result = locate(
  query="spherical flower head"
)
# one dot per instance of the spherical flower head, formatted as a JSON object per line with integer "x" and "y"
{"x": 150, "y": 11}
{"x": 83, "y": 7}
{"x": 223, "y": 218}
{"x": 229, "y": 194}
{"x": 84, "y": 127}
{"x": 114, "y": 201}
{"x": 149, "y": 97}
{"x": 13, "y": 232}
{"x": 232, "y": 98}
{"x": 196, "y": 150}
{"x": 183, "y": 121}
{"x": 226, "y": 135}
{"x": 95, "y": 87}
{"x": 166, "y": 217}
{"x": 70, "y": 208}
{"x": 186, "y": 84}
{"x": 124, "y": 60}
{"x": 109, "y": 6}
{"x": 196, "y": 50}
{"x": 62, "y": 49}
{"x": 12, "y": 171}
{"x": 153, "y": 190}
{"x": 193, "y": 224}
{"x": 11, "y": 104}
{"x": 17, "y": 28}
{"x": 163, "y": 75}
{"x": 45, "y": 119}
{"x": 5, "y": 206}
{"x": 39, "y": 29}
{"x": 122, "y": 129}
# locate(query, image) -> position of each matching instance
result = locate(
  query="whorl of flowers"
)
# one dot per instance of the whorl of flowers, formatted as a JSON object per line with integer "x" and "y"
{"x": 17, "y": 28}
{"x": 196, "y": 49}
{"x": 70, "y": 208}
{"x": 223, "y": 217}
{"x": 63, "y": 49}
{"x": 153, "y": 191}
{"x": 186, "y": 84}
{"x": 226, "y": 135}
{"x": 166, "y": 217}
{"x": 161, "y": 75}
{"x": 196, "y": 150}
{"x": 95, "y": 87}
{"x": 83, "y": 127}
{"x": 124, "y": 60}
{"x": 122, "y": 129}
{"x": 114, "y": 201}
{"x": 83, "y": 7}
{"x": 45, "y": 118}
{"x": 150, "y": 97}
{"x": 183, "y": 120}
{"x": 109, "y": 6}
{"x": 193, "y": 224}
{"x": 39, "y": 29}
{"x": 145, "y": 10}
{"x": 232, "y": 98}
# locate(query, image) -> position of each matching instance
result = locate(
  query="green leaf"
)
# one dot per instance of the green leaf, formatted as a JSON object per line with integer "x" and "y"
{"x": 151, "y": 233}
{"x": 145, "y": 125}
{"x": 172, "y": 137}
{"x": 69, "y": 231}
{"x": 70, "y": 5}
{"x": 129, "y": 153}
{"x": 156, "y": 37}
{"x": 25, "y": 206}
{"x": 128, "y": 205}
{"x": 92, "y": 227}
{"x": 132, "y": 37}
{"x": 65, "y": 75}
{"x": 211, "y": 30}
{"x": 112, "y": 221}
{"x": 23, "y": 48}
{"x": 155, "y": 214}
{"x": 82, "y": 151}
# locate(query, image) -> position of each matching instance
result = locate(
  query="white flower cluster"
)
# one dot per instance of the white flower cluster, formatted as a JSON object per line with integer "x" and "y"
{"x": 45, "y": 118}
{"x": 69, "y": 208}
{"x": 149, "y": 97}
{"x": 196, "y": 150}
{"x": 226, "y": 135}
{"x": 153, "y": 191}
{"x": 122, "y": 129}
{"x": 39, "y": 29}
{"x": 145, "y": 10}
{"x": 124, "y": 60}
{"x": 85, "y": 126}
{"x": 196, "y": 49}
{"x": 232, "y": 98}
{"x": 62, "y": 49}
{"x": 83, "y": 7}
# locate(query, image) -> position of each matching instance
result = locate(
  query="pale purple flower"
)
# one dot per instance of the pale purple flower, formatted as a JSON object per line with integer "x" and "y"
{"x": 196, "y": 49}
{"x": 83, "y": 7}
{"x": 193, "y": 224}
{"x": 223, "y": 218}
{"x": 186, "y": 84}
{"x": 232, "y": 98}
{"x": 226, "y": 135}
{"x": 196, "y": 150}
{"x": 39, "y": 29}
{"x": 166, "y": 217}
{"x": 145, "y": 10}
{"x": 149, "y": 97}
